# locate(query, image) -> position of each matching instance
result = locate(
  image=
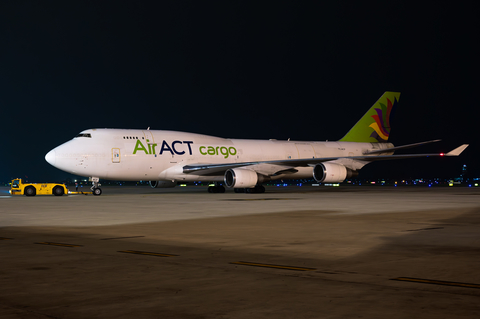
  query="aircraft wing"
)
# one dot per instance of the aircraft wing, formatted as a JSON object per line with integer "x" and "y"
{"x": 277, "y": 167}
{"x": 385, "y": 150}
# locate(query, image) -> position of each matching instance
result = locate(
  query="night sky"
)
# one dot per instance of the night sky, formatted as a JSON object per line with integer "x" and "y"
{"x": 261, "y": 69}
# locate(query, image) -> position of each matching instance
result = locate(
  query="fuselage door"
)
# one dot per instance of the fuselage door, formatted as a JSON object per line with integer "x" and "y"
{"x": 149, "y": 137}
{"x": 115, "y": 155}
{"x": 305, "y": 150}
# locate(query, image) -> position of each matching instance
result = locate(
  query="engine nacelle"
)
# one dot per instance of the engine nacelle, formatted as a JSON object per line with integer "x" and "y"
{"x": 162, "y": 184}
{"x": 240, "y": 178}
{"x": 331, "y": 173}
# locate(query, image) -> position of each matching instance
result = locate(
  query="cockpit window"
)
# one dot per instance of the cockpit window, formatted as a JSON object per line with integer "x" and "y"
{"x": 84, "y": 135}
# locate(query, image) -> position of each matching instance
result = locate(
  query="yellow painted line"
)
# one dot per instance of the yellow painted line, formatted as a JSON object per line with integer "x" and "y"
{"x": 246, "y": 263}
{"x": 438, "y": 282}
{"x": 58, "y": 244}
{"x": 146, "y": 253}
{"x": 5, "y": 238}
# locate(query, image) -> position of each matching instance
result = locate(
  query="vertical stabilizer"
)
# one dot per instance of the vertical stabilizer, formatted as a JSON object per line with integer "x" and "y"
{"x": 374, "y": 126}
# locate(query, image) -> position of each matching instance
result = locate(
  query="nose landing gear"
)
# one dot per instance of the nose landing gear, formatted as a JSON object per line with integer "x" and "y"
{"x": 96, "y": 190}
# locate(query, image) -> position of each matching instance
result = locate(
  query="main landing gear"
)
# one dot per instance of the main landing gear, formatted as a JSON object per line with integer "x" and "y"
{"x": 255, "y": 190}
{"x": 216, "y": 189}
{"x": 96, "y": 190}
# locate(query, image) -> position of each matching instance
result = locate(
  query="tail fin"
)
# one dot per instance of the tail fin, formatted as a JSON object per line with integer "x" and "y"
{"x": 374, "y": 126}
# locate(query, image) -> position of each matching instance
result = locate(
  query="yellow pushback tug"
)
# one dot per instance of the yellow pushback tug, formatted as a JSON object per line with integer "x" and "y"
{"x": 31, "y": 189}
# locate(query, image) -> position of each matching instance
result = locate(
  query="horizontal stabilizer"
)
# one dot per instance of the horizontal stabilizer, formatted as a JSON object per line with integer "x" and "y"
{"x": 457, "y": 151}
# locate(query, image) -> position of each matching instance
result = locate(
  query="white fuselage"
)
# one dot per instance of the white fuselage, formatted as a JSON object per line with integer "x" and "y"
{"x": 133, "y": 155}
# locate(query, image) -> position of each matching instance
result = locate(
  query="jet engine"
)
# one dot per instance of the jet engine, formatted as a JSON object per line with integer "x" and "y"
{"x": 240, "y": 178}
{"x": 162, "y": 184}
{"x": 332, "y": 173}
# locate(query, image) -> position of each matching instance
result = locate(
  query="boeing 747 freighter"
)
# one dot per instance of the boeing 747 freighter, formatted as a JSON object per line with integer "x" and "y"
{"x": 167, "y": 157}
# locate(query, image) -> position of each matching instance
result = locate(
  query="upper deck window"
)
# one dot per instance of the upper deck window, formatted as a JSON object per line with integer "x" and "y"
{"x": 84, "y": 135}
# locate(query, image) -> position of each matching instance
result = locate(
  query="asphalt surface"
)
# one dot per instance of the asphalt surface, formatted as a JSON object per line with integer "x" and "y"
{"x": 294, "y": 252}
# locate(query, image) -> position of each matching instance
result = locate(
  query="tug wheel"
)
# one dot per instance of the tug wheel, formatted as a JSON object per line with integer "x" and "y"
{"x": 58, "y": 191}
{"x": 30, "y": 191}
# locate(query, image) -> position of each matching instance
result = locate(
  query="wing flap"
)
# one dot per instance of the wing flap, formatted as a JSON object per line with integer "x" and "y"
{"x": 385, "y": 150}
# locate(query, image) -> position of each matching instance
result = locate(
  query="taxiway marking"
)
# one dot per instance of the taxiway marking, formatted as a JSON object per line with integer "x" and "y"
{"x": 58, "y": 244}
{"x": 246, "y": 263}
{"x": 137, "y": 252}
{"x": 438, "y": 282}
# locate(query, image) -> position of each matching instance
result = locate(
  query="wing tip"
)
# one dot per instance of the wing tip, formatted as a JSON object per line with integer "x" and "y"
{"x": 457, "y": 151}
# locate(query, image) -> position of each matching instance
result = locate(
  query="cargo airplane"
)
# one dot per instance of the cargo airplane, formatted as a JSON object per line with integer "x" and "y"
{"x": 167, "y": 157}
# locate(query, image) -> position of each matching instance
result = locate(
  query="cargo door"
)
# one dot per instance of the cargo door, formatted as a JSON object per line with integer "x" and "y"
{"x": 305, "y": 150}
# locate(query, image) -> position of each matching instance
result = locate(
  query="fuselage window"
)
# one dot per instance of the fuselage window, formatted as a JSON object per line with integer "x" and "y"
{"x": 84, "y": 135}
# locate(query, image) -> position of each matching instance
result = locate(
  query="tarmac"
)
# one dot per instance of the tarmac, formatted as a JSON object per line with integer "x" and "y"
{"x": 292, "y": 252}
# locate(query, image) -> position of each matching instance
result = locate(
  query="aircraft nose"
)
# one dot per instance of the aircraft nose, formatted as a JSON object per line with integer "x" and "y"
{"x": 51, "y": 157}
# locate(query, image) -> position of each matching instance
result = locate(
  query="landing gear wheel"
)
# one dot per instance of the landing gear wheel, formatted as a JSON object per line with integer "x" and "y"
{"x": 58, "y": 191}
{"x": 30, "y": 191}
{"x": 97, "y": 191}
{"x": 216, "y": 189}
{"x": 256, "y": 190}
{"x": 259, "y": 189}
